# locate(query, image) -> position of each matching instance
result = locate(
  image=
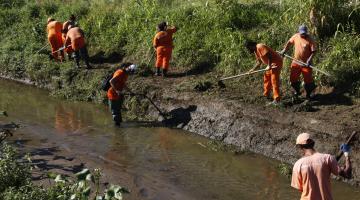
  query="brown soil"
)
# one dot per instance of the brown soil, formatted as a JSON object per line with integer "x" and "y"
{"x": 238, "y": 114}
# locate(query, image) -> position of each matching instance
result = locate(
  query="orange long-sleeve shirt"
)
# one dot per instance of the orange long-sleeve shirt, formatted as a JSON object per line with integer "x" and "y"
{"x": 54, "y": 28}
{"x": 164, "y": 38}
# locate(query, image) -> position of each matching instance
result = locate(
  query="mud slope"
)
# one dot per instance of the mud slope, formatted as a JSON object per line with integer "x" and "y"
{"x": 225, "y": 115}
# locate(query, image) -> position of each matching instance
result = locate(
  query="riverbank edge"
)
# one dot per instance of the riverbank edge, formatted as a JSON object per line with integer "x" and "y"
{"x": 263, "y": 130}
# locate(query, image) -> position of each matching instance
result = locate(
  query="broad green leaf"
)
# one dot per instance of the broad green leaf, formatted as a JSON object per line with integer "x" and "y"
{"x": 90, "y": 177}
{"x": 82, "y": 175}
{"x": 59, "y": 179}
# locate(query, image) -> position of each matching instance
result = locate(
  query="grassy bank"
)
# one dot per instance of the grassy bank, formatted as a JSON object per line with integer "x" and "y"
{"x": 210, "y": 37}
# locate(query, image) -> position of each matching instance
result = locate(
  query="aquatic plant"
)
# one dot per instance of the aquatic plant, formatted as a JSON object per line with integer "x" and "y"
{"x": 16, "y": 184}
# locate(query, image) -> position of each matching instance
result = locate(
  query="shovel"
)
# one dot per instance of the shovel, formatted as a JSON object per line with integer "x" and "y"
{"x": 221, "y": 83}
{"x": 304, "y": 64}
{"x": 151, "y": 101}
{"x": 62, "y": 48}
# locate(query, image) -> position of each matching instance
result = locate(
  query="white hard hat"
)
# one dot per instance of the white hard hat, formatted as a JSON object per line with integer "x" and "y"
{"x": 133, "y": 67}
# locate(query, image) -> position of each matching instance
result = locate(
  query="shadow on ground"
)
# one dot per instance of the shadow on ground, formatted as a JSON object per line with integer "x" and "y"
{"x": 201, "y": 68}
{"x": 300, "y": 104}
{"x": 101, "y": 58}
{"x": 180, "y": 117}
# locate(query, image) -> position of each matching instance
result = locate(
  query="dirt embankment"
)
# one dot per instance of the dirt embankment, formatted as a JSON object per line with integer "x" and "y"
{"x": 239, "y": 116}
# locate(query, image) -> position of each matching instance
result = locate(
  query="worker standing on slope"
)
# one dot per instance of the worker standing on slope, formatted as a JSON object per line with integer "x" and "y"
{"x": 163, "y": 44}
{"x": 65, "y": 28}
{"x": 273, "y": 60}
{"x": 114, "y": 93}
{"x": 53, "y": 30}
{"x": 304, "y": 50}
{"x": 75, "y": 37}
{"x": 311, "y": 173}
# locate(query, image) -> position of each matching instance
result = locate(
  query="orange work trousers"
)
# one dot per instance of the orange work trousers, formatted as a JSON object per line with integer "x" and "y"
{"x": 272, "y": 82}
{"x": 78, "y": 43}
{"x": 163, "y": 56}
{"x": 56, "y": 43}
{"x": 296, "y": 70}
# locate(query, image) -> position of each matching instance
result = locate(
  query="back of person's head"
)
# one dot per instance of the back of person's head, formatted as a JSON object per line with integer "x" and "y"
{"x": 249, "y": 44}
{"x": 72, "y": 17}
{"x": 162, "y": 26}
{"x": 304, "y": 141}
{"x": 50, "y": 19}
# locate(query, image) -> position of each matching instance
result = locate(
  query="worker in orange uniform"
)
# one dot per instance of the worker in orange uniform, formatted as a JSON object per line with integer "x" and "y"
{"x": 55, "y": 39}
{"x": 304, "y": 50}
{"x": 311, "y": 173}
{"x": 75, "y": 37}
{"x": 273, "y": 60}
{"x": 163, "y": 44}
{"x": 65, "y": 28}
{"x": 114, "y": 93}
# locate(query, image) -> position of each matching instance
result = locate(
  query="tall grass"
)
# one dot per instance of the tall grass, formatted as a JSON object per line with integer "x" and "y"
{"x": 210, "y": 36}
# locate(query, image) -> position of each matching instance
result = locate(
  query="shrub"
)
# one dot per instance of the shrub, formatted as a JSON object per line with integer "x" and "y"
{"x": 12, "y": 173}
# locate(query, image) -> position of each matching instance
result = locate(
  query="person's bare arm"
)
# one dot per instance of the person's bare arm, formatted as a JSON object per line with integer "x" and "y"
{"x": 347, "y": 169}
{"x": 112, "y": 83}
{"x": 256, "y": 65}
{"x": 309, "y": 60}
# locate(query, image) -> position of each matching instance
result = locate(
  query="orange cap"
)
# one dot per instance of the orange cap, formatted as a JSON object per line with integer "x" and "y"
{"x": 302, "y": 138}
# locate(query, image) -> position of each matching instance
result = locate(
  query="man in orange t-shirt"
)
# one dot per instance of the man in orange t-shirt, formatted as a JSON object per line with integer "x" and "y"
{"x": 53, "y": 30}
{"x": 114, "y": 93}
{"x": 163, "y": 44}
{"x": 75, "y": 37}
{"x": 311, "y": 173}
{"x": 65, "y": 28}
{"x": 304, "y": 50}
{"x": 273, "y": 60}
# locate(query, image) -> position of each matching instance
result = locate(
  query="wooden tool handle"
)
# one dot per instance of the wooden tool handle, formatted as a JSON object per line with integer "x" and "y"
{"x": 347, "y": 142}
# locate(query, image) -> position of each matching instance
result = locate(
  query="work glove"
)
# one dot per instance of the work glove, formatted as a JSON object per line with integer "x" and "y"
{"x": 345, "y": 148}
{"x": 268, "y": 67}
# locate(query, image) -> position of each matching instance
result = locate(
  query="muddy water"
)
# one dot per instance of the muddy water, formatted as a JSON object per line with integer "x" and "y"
{"x": 158, "y": 163}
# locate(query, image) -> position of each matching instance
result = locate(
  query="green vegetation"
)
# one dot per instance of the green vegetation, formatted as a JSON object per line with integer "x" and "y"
{"x": 210, "y": 37}
{"x": 16, "y": 184}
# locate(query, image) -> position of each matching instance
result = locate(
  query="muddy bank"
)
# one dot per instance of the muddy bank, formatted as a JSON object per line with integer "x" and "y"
{"x": 261, "y": 129}
{"x": 235, "y": 116}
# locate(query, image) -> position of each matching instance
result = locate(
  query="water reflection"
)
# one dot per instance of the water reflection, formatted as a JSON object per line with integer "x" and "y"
{"x": 67, "y": 120}
{"x": 164, "y": 163}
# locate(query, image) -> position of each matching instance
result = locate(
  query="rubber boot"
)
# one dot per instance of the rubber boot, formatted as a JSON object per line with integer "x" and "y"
{"x": 309, "y": 88}
{"x": 164, "y": 72}
{"x": 157, "y": 72}
{"x": 296, "y": 87}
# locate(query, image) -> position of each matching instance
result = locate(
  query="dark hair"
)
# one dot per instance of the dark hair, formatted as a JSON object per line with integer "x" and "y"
{"x": 309, "y": 144}
{"x": 161, "y": 26}
{"x": 124, "y": 65}
{"x": 249, "y": 43}
{"x": 72, "y": 17}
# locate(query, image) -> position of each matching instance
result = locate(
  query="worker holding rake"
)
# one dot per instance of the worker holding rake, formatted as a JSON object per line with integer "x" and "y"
{"x": 76, "y": 37}
{"x": 53, "y": 30}
{"x": 117, "y": 86}
{"x": 304, "y": 50}
{"x": 273, "y": 60}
